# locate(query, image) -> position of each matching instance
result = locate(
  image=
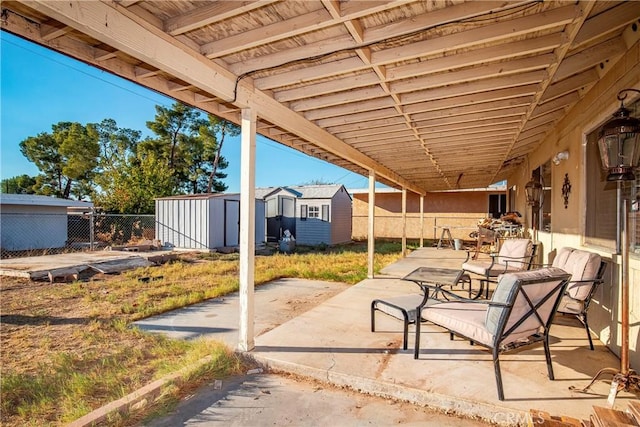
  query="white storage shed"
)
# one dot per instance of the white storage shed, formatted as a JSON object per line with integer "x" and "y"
{"x": 35, "y": 222}
{"x": 204, "y": 221}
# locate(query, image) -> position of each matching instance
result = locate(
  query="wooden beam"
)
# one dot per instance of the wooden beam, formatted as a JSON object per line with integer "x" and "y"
{"x": 477, "y": 108}
{"x": 495, "y": 116}
{"x": 490, "y": 33}
{"x": 377, "y": 105}
{"x": 328, "y": 87}
{"x": 210, "y": 14}
{"x": 267, "y": 34}
{"x": 476, "y": 56}
{"x": 606, "y": 22}
{"x": 488, "y": 85}
{"x": 354, "y": 96}
{"x": 570, "y": 31}
{"x": 489, "y": 70}
{"x": 570, "y": 84}
{"x": 590, "y": 57}
{"x": 556, "y": 104}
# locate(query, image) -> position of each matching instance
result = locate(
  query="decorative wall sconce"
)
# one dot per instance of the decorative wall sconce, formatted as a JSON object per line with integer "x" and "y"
{"x": 566, "y": 189}
{"x": 560, "y": 156}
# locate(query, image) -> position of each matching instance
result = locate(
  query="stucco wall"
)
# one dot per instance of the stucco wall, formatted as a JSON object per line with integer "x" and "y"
{"x": 568, "y": 225}
{"x": 459, "y": 211}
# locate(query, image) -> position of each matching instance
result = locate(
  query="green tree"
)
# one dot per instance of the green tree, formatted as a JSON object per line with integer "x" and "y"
{"x": 21, "y": 184}
{"x": 223, "y": 128}
{"x": 189, "y": 144}
{"x": 133, "y": 190}
{"x": 67, "y": 159}
{"x": 132, "y": 172}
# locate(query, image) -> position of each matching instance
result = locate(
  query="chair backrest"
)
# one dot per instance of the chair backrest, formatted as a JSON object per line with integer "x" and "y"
{"x": 527, "y": 302}
{"x": 516, "y": 252}
{"x": 586, "y": 269}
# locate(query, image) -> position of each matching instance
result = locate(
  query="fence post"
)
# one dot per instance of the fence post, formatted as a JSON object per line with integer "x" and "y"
{"x": 91, "y": 229}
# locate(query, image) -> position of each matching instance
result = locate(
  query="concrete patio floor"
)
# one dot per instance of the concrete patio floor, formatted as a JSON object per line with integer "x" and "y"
{"x": 333, "y": 343}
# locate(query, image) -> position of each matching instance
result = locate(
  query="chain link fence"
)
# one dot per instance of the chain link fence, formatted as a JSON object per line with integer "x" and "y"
{"x": 49, "y": 233}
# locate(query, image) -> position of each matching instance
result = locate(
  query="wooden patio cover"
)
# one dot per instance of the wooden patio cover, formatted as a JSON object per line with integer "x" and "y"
{"x": 430, "y": 95}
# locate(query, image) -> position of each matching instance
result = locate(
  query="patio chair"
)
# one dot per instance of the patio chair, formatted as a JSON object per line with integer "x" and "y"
{"x": 587, "y": 272}
{"x": 514, "y": 255}
{"x": 519, "y": 313}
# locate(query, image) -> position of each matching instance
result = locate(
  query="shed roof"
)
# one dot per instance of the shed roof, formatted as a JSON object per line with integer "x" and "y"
{"x": 35, "y": 200}
{"x": 326, "y": 191}
{"x": 199, "y": 196}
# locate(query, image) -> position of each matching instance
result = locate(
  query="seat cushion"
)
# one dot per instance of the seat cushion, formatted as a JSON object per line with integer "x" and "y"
{"x": 466, "y": 319}
{"x": 485, "y": 268}
{"x": 582, "y": 265}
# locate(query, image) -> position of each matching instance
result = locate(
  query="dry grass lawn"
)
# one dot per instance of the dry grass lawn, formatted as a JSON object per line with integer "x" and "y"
{"x": 67, "y": 349}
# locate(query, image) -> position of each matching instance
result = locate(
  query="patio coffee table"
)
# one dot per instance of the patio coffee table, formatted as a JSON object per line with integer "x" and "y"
{"x": 407, "y": 308}
{"x": 432, "y": 280}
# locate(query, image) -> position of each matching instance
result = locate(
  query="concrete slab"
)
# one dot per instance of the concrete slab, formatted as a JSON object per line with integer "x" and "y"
{"x": 333, "y": 343}
{"x": 275, "y": 303}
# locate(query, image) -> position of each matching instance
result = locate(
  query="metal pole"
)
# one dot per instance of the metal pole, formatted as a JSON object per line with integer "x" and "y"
{"x": 92, "y": 228}
{"x": 620, "y": 212}
{"x": 624, "y": 241}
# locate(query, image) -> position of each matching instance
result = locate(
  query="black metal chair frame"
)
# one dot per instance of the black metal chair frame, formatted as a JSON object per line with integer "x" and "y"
{"x": 496, "y": 348}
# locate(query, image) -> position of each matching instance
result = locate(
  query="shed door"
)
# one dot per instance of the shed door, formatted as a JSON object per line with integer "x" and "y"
{"x": 231, "y": 222}
{"x": 288, "y": 215}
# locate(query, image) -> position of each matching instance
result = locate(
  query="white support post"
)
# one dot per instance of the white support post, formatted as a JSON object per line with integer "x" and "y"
{"x": 404, "y": 221}
{"x": 247, "y": 229}
{"x": 371, "y": 243}
{"x": 421, "y": 221}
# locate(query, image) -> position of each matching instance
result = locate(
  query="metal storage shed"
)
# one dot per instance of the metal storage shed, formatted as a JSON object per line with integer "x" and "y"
{"x": 34, "y": 222}
{"x": 204, "y": 221}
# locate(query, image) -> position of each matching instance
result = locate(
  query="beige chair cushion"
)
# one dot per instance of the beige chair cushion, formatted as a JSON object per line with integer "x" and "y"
{"x": 515, "y": 248}
{"x": 466, "y": 319}
{"x": 505, "y": 262}
{"x": 546, "y": 278}
{"x": 582, "y": 265}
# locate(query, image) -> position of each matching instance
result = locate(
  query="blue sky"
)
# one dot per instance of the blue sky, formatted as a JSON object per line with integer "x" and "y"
{"x": 40, "y": 87}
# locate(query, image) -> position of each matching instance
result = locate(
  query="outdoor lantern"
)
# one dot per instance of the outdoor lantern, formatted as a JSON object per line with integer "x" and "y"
{"x": 619, "y": 141}
{"x": 533, "y": 192}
